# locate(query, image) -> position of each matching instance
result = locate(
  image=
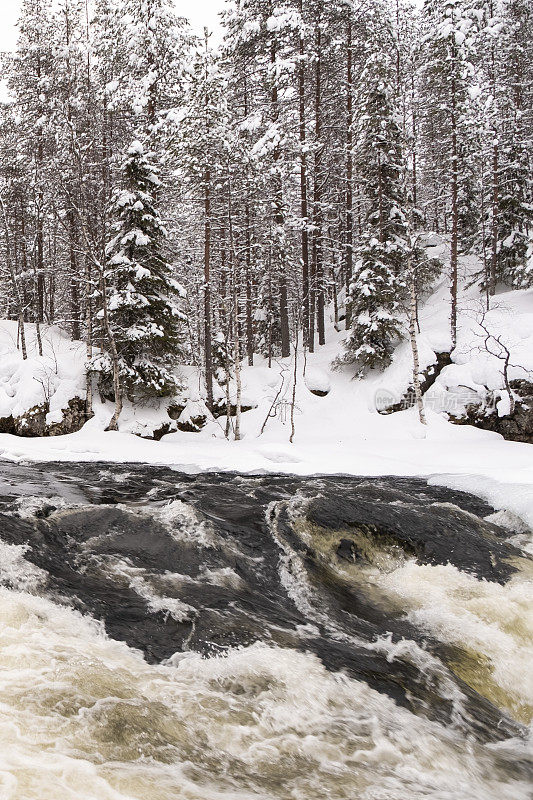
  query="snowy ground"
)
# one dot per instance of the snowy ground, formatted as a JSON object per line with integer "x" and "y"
{"x": 339, "y": 433}
{"x": 57, "y": 376}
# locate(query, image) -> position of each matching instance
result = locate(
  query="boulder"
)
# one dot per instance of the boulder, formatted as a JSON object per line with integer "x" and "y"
{"x": 74, "y": 418}
{"x": 33, "y": 423}
{"x": 317, "y": 381}
{"x": 516, "y": 427}
{"x": 427, "y": 380}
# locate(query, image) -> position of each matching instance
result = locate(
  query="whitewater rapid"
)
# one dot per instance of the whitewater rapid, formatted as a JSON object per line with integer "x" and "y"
{"x": 279, "y": 715}
{"x": 82, "y": 716}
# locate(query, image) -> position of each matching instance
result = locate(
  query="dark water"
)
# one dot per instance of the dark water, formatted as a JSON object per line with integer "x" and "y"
{"x": 221, "y": 564}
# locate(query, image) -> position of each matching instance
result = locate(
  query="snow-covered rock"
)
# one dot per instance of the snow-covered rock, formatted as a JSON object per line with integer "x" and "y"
{"x": 317, "y": 381}
{"x": 42, "y": 394}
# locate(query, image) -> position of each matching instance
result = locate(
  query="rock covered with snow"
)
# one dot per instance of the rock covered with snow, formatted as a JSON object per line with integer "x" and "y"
{"x": 317, "y": 381}
{"x": 41, "y": 394}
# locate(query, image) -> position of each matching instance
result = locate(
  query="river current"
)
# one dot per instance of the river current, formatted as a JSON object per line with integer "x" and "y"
{"x": 165, "y": 636}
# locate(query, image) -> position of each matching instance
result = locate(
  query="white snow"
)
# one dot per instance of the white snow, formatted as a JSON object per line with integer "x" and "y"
{"x": 341, "y": 433}
{"x": 55, "y": 377}
{"x": 317, "y": 380}
{"x": 135, "y": 148}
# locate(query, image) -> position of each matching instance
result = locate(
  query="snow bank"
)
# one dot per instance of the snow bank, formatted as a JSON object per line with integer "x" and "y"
{"x": 500, "y": 494}
{"x": 53, "y": 378}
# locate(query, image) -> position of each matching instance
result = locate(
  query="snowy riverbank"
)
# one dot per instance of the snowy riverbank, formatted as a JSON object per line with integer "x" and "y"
{"x": 339, "y": 433}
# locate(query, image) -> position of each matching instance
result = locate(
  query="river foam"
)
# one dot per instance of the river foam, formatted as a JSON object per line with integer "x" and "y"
{"x": 83, "y": 717}
{"x": 493, "y": 624}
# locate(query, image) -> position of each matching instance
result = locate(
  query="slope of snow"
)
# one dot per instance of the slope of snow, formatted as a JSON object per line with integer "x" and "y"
{"x": 473, "y": 371}
{"x": 55, "y": 377}
{"x": 338, "y": 433}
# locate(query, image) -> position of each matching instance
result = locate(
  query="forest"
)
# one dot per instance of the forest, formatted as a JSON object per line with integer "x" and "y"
{"x": 168, "y": 199}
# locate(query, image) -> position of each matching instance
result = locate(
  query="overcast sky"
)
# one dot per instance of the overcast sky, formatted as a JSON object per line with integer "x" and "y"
{"x": 199, "y": 12}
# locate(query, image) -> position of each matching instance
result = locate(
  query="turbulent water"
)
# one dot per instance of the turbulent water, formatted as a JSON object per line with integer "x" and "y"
{"x": 175, "y": 637}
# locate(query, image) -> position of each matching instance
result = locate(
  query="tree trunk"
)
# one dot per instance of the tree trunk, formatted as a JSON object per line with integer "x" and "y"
{"x": 249, "y": 299}
{"x": 512, "y": 402}
{"x": 317, "y": 195}
{"x": 74, "y": 288}
{"x": 51, "y": 298}
{"x": 455, "y": 216}
{"x": 294, "y": 384}
{"x": 279, "y": 217}
{"x": 117, "y": 388}
{"x": 335, "y": 298}
{"x": 40, "y": 270}
{"x": 235, "y": 303}
{"x": 228, "y": 394}
{"x": 39, "y": 216}
{"x": 270, "y": 304}
{"x": 22, "y": 334}
{"x": 37, "y": 315}
{"x": 14, "y": 284}
{"x": 493, "y": 277}
{"x": 414, "y": 344}
{"x": 284, "y": 317}
{"x": 248, "y": 256}
{"x": 348, "y": 256}
{"x": 89, "y": 339}
{"x": 414, "y": 175}
{"x": 304, "y": 211}
{"x": 238, "y": 382}
{"x": 494, "y": 225}
{"x": 486, "y": 265}
{"x": 208, "y": 350}
{"x": 312, "y": 307}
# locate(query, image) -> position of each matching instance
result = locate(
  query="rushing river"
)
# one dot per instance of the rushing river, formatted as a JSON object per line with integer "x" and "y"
{"x": 175, "y": 637}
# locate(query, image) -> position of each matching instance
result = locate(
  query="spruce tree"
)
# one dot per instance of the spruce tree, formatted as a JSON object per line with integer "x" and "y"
{"x": 374, "y": 309}
{"x": 515, "y": 218}
{"x": 378, "y": 281}
{"x": 515, "y": 212}
{"x": 142, "y": 295}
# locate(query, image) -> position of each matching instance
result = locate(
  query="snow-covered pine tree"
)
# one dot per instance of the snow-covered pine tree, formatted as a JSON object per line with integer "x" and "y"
{"x": 444, "y": 83}
{"x": 514, "y": 74}
{"x": 377, "y": 281}
{"x": 222, "y": 358}
{"x": 375, "y": 324}
{"x": 200, "y": 138}
{"x": 502, "y": 63}
{"x": 156, "y": 41}
{"x": 142, "y": 296}
{"x": 31, "y": 85}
